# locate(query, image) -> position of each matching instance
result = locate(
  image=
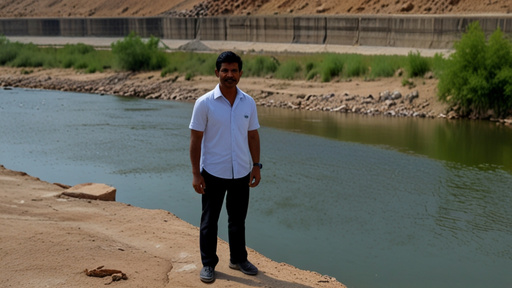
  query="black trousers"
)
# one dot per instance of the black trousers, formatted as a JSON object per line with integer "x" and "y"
{"x": 237, "y": 203}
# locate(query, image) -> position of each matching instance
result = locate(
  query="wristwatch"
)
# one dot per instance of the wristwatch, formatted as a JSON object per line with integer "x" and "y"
{"x": 258, "y": 164}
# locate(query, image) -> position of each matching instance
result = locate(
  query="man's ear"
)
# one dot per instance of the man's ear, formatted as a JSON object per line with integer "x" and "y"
{"x": 217, "y": 73}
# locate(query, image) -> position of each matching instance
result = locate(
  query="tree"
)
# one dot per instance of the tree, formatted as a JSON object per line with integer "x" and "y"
{"x": 478, "y": 76}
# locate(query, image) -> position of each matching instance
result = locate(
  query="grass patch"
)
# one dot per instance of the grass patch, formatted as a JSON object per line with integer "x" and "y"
{"x": 260, "y": 66}
{"x": 77, "y": 56}
{"x": 289, "y": 70}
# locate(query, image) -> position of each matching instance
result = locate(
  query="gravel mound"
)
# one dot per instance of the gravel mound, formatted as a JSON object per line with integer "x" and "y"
{"x": 194, "y": 45}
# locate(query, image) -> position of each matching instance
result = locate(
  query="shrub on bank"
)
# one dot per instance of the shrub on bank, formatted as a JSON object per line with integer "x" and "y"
{"x": 355, "y": 66}
{"x": 417, "y": 66}
{"x": 384, "y": 66}
{"x": 133, "y": 54}
{"x": 8, "y": 51}
{"x": 260, "y": 66}
{"x": 478, "y": 75}
{"x": 331, "y": 66}
{"x": 289, "y": 70}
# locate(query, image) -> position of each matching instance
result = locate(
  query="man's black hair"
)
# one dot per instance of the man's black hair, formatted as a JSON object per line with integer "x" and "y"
{"x": 228, "y": 57}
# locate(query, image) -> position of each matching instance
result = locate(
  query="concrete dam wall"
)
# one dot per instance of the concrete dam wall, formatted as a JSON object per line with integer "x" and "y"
{"x": 421, "y": 31}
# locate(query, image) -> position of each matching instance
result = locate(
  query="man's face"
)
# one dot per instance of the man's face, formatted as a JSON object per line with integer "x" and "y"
{"x": 229, "y": 75}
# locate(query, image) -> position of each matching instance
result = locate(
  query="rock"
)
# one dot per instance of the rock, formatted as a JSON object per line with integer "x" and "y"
{"x": 350, "y": 97}
{"x": 407, "y": 7}
{"x": 292, "y": 106}
{"x": 94, "y": 191}
{"x": 356, "y": 109}
{"x": 367, "y": 100}
{"x": 383, "y": 96}
{"x": 390, "y": 103}
{"x": 419, "y": 114}
{"x": 340, "y": 108}
{"x": 321, "y": 9}
{"x": 429, "y": 75}
{"x": 411, "y": 96}
{"x": 326, "y": 97}
{"x": 452, "y": 115}
{"x": 396, "y": 95}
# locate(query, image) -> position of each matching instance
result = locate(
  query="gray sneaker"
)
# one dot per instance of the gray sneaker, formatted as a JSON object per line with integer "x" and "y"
{"x": 246, "y": 267}
{"x": 207, "y": 274}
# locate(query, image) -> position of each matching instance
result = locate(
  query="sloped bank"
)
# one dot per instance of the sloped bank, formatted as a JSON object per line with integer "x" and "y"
{"x": 49, "y": 239}
{"x": 392, "y": 103}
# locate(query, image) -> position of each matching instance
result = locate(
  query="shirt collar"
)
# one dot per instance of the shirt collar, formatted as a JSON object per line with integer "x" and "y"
{"x": 217, "y": 93}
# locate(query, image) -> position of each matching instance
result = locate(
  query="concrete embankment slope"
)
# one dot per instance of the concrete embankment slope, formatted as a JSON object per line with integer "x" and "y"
{"x": 418, "y": 31}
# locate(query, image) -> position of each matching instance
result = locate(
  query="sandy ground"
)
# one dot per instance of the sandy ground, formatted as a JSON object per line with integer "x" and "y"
{"x": 48, "y": 241}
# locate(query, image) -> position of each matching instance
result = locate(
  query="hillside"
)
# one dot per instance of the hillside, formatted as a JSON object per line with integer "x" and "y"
{"x": 192, "y": 8}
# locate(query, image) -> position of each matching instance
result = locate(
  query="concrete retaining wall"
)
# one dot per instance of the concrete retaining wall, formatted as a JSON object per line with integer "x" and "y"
{"x": 436, "y": 32}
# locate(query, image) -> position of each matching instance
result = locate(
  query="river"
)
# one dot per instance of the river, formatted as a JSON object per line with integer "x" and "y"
{"x": 372, "y": 201}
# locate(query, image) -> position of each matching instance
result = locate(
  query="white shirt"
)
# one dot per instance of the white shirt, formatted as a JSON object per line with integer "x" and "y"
{"x": 225, "y": 147}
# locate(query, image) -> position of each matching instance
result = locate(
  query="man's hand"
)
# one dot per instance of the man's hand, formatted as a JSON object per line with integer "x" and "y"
{"x": 255, "y": 177}
{"x": 196, "y": 138}
{"x": 198, "y": 183}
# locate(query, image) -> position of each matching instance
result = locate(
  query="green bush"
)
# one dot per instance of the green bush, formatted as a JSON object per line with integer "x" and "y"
{"x": 417, "y": 66}
{"x": 288, "y": 70}
{"x": 381, "y": 69}
{"x": 331, "y": 66}
{"x": 478, "y": 75}
{"x": 355, "y": 66}
{"x": 439, "y": 64}
{"x": 133, "y": 54}
{"x": 8, "y": 51}
{"x": 310, "y": 66}
{"x": 31, "y": 56}
{"x": 260, "y": 66}
{"x": 79, "y": 48}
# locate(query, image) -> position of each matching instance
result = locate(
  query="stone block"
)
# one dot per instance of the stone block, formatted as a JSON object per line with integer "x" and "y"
{"x": 94, "y": 191}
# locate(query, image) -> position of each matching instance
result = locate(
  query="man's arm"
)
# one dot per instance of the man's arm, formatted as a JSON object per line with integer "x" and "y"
{"x": 196, "y": 137}
{"x": 254, "y": 148}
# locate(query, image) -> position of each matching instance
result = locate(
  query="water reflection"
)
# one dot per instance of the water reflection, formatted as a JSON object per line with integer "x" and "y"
{"x": 481, "y": 144}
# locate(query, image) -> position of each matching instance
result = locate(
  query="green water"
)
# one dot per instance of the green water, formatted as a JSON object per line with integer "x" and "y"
{"x": 472, "y": 143}
{"x": 374, "y": 202}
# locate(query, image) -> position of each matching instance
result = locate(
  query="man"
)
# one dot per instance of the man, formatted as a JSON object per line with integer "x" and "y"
{"x": 225, "y": 156}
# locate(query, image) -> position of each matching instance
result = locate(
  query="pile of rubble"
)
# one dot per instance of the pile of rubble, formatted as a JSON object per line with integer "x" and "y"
{"x": 217, "y": 7}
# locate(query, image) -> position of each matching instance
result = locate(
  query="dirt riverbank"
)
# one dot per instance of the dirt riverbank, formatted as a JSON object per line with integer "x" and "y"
{"x": 385, "y": 96}
{"x": 49, "y": 240}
